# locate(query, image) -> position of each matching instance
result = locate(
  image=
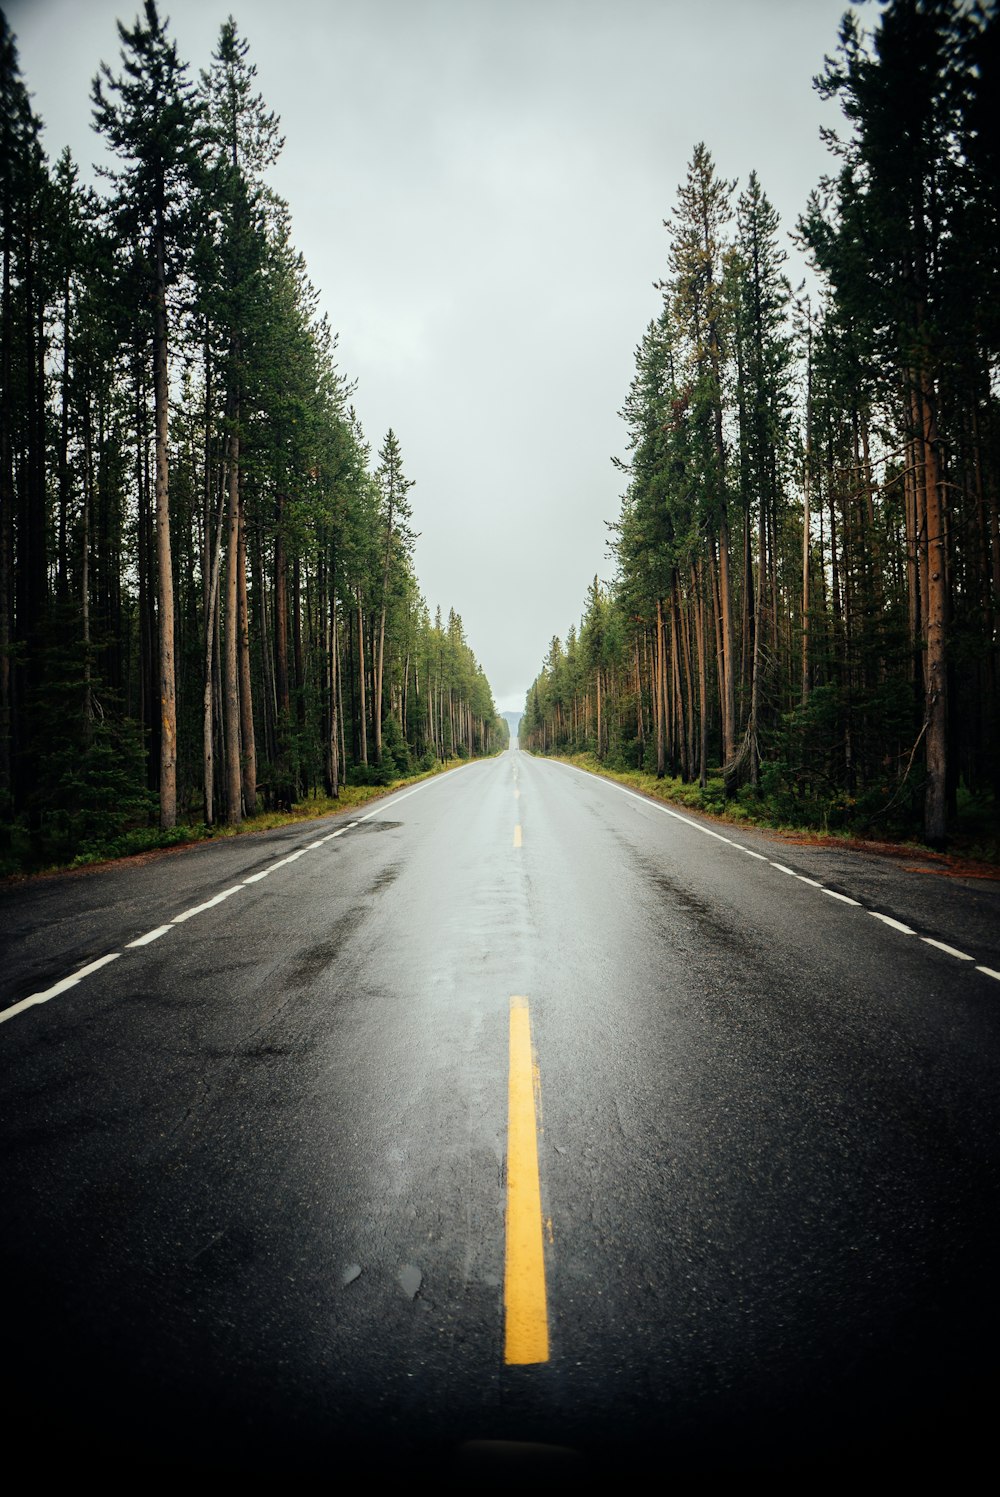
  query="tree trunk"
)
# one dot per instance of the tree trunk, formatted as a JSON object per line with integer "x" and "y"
{"x": 164, "y": 577}
{"x": 936, "y": 674}
{"x": 728, "y": 684}
{"x": 660, "y": 695}
{"x": 362, "y": 707}
{"x": 333, "y": 746}
{"x": 208, "y": 694}
{"x": 700, "y": 631}
{"x": 88, "y": 478}
{"x": 248, "y": 758}
{"x": 758, "y": 627}
{"x": 7, "y": 500}
{"x": 281, "y": 617}
{"x": 230, "y": 686}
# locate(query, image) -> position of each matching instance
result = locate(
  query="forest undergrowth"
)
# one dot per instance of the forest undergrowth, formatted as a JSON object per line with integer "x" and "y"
{"x": 23, "y": 855}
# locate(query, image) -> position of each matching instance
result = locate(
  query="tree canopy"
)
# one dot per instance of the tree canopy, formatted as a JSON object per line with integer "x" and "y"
{"x": 207, "y": 591}
{"x": 805, "y": 601}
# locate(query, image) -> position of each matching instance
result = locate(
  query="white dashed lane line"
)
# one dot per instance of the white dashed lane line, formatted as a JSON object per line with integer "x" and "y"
{"x": 697, "y": 826}
{"x": 209, "y": 904}
{"x": 198, "y": 909}
{"x": 151, "y": 935}
{"x": 59, "y": 987}
{"x": 161, "y": 930}
{"x": 948, "y": 950}
{"x": 904, "y": 930}
{"x": 845, "y": 898}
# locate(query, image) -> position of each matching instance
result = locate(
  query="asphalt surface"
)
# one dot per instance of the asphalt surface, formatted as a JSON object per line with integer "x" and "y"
{"x": 253, "y": 1172}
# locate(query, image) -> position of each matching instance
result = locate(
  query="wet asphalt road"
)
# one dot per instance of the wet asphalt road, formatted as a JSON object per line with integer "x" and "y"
{"x": 253, "y": 1173}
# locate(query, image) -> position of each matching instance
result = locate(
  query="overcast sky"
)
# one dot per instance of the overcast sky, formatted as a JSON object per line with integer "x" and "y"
{"x": 479, "y": 188}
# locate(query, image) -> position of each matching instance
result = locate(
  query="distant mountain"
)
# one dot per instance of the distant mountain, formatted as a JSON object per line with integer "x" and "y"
{"x": 513, "y": 721}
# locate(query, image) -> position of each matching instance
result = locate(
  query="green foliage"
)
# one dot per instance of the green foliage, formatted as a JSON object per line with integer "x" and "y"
{"x": 372, "y": 774}
{"x": 394, "y": 747}
{"x": 90, "y": 794}
{"x": 806, "y": 551}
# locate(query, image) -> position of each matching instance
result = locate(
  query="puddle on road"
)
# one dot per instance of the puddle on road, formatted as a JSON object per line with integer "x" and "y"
{"x": 410, "y": 1279}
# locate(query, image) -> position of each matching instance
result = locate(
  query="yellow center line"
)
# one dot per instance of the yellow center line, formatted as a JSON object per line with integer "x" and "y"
{"x": 526, "y": 1337}
{"x": 517, "y": 835}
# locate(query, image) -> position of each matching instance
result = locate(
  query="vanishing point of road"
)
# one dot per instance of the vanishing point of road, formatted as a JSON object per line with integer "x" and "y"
{"x": 513, "y": 1123}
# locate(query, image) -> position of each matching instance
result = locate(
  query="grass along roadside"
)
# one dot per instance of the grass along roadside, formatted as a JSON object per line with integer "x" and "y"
{"x": 16, "y": 861}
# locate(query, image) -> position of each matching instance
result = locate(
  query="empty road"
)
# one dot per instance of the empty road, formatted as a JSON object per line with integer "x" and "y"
{"x": 514, "y": 1119}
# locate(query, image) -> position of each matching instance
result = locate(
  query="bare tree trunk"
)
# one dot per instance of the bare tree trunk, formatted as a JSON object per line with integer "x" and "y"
{"x": 600, "y": 729}
{"x": 248, "y": 758}
{"x": 268, "y": 692}
{"x": 165, "y": 577}
{"x": 806, "y": 520}
{"x": 681, "y": 721}
{"x": 230, "y": 687}
{"x": 88, "y": 478}
{"x": 728, "y": 673}
{"x": 363, "y": 712}
{"x": 333, "y": 750}
{"x": 936, "y": 796}
{"x": 7, "y": 500}
{"x": 377, "y": 689}
{"x": 700, "y": 631}
{"x": 281, "y": 616}
{"x": 758, "y": 629}
{"x": 61, "y": 564}
{"x": 660, "y": 695}
{"x": 208, "y": 702}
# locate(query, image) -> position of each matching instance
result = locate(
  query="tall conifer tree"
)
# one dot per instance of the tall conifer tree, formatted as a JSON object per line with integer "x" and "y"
{"x": 148, "y": 115}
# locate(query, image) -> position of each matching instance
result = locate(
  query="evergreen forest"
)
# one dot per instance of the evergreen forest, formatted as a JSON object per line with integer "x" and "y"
{"x": 208, "y": 603}
{"x": 803, "y": 617}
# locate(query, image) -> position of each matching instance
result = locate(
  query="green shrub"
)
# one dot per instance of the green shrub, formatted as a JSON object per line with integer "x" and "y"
{"x": 372, "y": 774}
{"x": 395, "y": 749}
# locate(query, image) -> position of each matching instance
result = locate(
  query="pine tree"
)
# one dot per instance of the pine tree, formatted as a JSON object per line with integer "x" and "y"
{"x": 697, "y": 295}
{"x": 148, "y": 116}
{"x": 396, "y": 541}
{"x": 765, "y": 357}
{"x": 243, "y": 143}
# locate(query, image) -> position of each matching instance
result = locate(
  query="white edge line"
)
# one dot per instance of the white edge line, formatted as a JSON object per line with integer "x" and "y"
{"x": 209, "y": 903}
{"x": 151, "y": 935}
{"x": 962, "y": 956}
{"x": 59, "y": 987}
{"x": 904, "y": 930}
